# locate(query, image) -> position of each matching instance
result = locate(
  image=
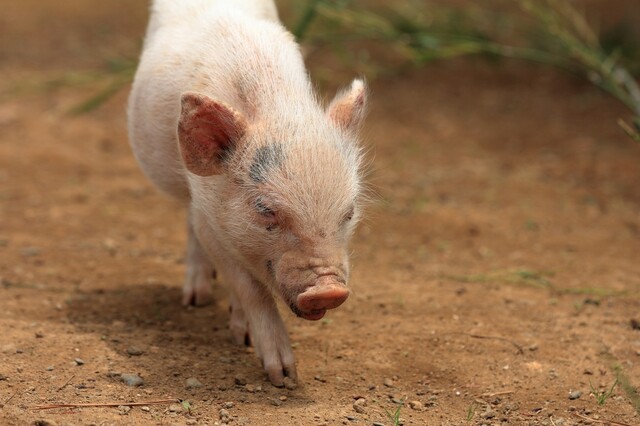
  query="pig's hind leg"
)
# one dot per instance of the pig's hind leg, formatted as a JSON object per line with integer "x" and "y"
{"x": 197, "y": 288}
{"x": 238, "y": 322}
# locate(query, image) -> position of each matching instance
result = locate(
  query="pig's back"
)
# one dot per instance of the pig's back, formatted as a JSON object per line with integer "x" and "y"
{"x": 166, "y": 13}
{"x": 202, "y": 50}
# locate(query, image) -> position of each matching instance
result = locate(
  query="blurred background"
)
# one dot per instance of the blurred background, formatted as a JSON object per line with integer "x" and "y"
{"x": 593, "y": 38}
{"x": 496, "y": 276}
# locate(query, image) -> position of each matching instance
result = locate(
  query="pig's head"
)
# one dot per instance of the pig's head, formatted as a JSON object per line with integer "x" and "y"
{"x": 282, "y": 196}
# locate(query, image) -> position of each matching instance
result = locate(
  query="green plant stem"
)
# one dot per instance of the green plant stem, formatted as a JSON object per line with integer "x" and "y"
{"x": 308, "y": 16}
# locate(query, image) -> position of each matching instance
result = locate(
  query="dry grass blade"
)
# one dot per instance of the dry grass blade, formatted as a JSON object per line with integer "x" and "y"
{"x": 492, "y": 394}
{"x": 9, "y": 399}
{"x": 66, "y": 383}
{"x": 602, "y": 422}
{"x": 113, "y": 404}
{"x": 503, "y": 339}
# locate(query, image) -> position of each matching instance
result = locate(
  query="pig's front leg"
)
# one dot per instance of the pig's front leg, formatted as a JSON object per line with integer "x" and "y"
{"x": 255, "y": 305}
{"x": 197, "y": 288}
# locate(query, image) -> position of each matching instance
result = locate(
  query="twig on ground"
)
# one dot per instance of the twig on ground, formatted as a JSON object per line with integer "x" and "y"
{"x": 112, "y": 404}
{"x": 64, "y": 385}
{"x": 480, "y": 336}
{"x": 603, "y": 422}
{"x": 10, "y": 398}
{"x": 491, "y": 395}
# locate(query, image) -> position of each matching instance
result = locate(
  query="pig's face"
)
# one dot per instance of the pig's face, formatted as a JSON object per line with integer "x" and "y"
{"x": 287, "y": 200}
{"x": 299, "y": 203}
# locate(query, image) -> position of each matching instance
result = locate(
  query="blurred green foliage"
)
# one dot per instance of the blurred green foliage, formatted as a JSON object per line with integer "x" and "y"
{"x": 413, "y": 33}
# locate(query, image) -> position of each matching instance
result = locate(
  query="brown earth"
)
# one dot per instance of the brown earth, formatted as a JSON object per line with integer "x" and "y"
{"x": 498, "y": 271}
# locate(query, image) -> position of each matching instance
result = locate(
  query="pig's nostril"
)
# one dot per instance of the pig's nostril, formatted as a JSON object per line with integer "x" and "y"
{"x": 322, "y": 297}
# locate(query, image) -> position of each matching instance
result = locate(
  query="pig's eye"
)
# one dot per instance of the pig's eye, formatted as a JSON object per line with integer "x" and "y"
{"x": 268, "y": 214}
{"x": 348, "y": 215}
{"x": 263, "y": 209}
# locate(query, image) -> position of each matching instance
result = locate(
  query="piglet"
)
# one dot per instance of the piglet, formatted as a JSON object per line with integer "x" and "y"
{"x": 222, "y": 116}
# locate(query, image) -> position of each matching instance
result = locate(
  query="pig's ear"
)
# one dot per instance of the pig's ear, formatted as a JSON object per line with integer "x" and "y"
{"x": 207, "y": 131}
{"x": 348, "y": 108}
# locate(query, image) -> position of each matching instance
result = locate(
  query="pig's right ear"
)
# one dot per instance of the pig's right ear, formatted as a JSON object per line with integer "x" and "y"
{"x": 348, "y": 108}
{"x": 207, "y": 131}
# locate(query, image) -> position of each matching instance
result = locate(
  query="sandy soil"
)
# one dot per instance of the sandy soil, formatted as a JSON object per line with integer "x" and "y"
{"x": 496, "y": 275}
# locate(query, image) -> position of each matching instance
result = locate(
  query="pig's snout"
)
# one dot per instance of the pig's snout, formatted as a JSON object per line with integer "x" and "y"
{"x": 327, "y": 293}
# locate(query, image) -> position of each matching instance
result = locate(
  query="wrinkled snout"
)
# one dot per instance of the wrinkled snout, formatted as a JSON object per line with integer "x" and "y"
{"x": 326, "y": 293}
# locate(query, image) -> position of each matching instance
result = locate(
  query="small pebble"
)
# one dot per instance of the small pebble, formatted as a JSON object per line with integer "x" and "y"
{"x": 290, "y": 383}
{"x": 240, "y": 381}
{"x": 175, "y": 408}
{"x": 228, "y": 404}
{"x": 223, "y": 413}
{"x": 132, "y": 380}
{"x": 388, "y": 383}
{"x": 191, "y": 422}
{"x": 78, "y": 361}
{"x": 31, "y": 251}
{"x": 250, "y": 388}
{"x": 134, "y": 351}
{"x": 275, "y": 402}
{"x": 145, "y": 408}
{"x": 49, "y": 368}
{"x": 359, "y": 405}
{"x": 282, "y": 398}
{"x": 43, "y": 422}
{"x": 575, "y": 394}
{"x": 416, "y": 405}
{"x": 320, "y": 379}
{"x": 39, "y": 335}
{"x": 489, "y": 414}
{"x": 3, "y": 377}
{"x": 193, "y": 383}
{"x": 123, "y": 410}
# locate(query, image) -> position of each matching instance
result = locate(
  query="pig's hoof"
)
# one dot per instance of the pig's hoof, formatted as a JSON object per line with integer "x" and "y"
{"x": 282, "y": 377}
{"x": 199, "y": 295}
{"x": 241, "y": 337}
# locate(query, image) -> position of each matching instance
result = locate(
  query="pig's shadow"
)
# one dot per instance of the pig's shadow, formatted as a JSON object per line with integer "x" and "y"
{"x": 149, "y": 314}
{"x": 175, "y": 339}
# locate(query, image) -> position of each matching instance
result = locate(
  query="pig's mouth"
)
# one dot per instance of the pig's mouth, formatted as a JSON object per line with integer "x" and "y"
{"x": 313, "y": 303}
{"x": 314, "y": 315}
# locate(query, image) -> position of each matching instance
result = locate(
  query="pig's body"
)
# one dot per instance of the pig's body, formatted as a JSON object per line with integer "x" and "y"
{"x": 222, "y": 116}
{"x": 200, "y": 46}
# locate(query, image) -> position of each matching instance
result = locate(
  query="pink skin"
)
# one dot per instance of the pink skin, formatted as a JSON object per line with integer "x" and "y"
{"x": 219, "y": 85}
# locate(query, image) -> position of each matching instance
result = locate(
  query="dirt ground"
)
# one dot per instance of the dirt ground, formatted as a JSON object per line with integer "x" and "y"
{"x": 496, "y": 276}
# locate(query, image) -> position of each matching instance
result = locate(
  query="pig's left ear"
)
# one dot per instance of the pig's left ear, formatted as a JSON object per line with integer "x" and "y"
{"x": 207, "y": 131}
{"x": 348, "y": 107}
